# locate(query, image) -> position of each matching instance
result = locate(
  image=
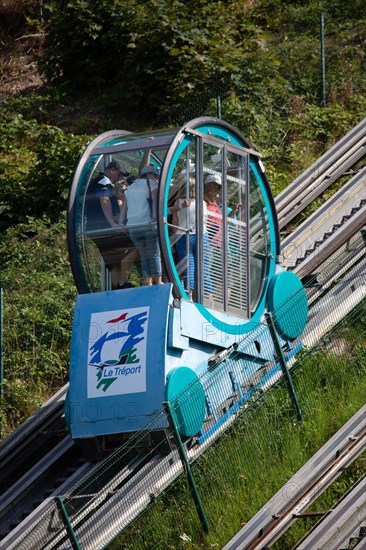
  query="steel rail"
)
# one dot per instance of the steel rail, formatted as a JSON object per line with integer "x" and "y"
{"x": 16, "y": 535}
{"x": 154, "y": 480}
{"x": 25, "y": 440}
{"x": 350, "y": 255}
{"x": 304, "y": 487}
{"x": 26, "y": 482}
{"x": 109, "y": 520}
{"x": 317, "y": 325}
{"x": 329, "y": 167}
{"x": 336, "y": 528}
{"x": 331, "y": 245}
{"x": 338, "y": 302}
{"x": 117, "y": 485}
{"x": 326, "y": 220}
{"x": 105, "y": 509}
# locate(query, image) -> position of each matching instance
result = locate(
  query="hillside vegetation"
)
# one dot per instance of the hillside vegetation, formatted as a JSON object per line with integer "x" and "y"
{"x": 71, "y": 70}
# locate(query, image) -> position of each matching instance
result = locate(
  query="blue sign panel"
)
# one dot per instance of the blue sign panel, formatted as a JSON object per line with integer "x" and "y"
{"x": 118, "y": 352}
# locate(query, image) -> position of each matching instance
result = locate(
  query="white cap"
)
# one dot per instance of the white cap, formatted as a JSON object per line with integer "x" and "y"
{"x": 191, "y": 167}
{"x": 213, "y": 178}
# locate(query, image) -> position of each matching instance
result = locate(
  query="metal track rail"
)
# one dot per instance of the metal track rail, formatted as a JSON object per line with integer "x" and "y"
{"x": 54, "y": 474}
{"x": 331, "y": 308}
{"x": 304, "y": 487}
{"x": 328, "y": 168}
{"x": 71, "y": 477}
{"x": 11, "y": 497}
{"x": 105, "y": 518}
{"x": 335, "y": 530}
{"x": 17, "y": 448}
{"x": 325, "y": 222}
{"x": 104, "y": 507}
{"x": 347, "y": 293}
{"x": 331, "y": 245}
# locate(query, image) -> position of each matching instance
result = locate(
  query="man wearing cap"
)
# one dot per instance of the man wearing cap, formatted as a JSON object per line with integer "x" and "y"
{"x": 140, "y": 212}
{"x": 103, "y": 211}
{"x": 101, "y": 201}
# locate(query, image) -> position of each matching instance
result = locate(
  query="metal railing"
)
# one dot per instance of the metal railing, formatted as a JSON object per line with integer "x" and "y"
{"x": 320, "y": 175}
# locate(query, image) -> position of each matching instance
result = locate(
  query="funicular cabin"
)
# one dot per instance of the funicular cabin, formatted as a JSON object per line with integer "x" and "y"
{"x": 174, "y": 247}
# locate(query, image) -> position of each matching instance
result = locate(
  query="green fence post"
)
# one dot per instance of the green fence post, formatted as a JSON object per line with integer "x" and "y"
{"x": 186, "y": 467}
{"x": 67, "y": 523}
{"x": 282, "y": 361}
{"x": 322, "y": 65}
{"x": 218, "y": 107}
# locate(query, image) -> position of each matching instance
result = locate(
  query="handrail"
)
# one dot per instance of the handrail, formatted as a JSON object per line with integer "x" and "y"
{"x": 330, "y": 166}
{"x": 342, "y": 520}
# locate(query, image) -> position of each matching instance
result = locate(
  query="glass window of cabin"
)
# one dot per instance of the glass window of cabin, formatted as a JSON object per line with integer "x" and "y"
{"x": 207, "y": 224}
{"x": 225, "y": 196}
{"x": 111, "y": 257}
{"x": 259, "y": 242}
{"x": 182, "y": 219}
{"x": 237, "y": 238}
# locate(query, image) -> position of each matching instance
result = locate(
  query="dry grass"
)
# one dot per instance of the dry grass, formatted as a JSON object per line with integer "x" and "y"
{"x": 20, "y": 45}
{"x": 18, "y": 73}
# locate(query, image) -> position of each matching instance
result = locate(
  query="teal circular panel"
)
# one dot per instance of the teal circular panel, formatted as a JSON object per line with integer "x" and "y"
{"x": 185, "y": 393}
{"x": 288, "y": 304}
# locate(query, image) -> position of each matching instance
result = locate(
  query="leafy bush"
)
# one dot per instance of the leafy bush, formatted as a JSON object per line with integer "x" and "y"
{"x": 36, "y": 165}
{"x": 16, "y": 14}
{"x": 261, "y": 58}
{"x": 39, "y": 297}
{"x": 154, "y": 54}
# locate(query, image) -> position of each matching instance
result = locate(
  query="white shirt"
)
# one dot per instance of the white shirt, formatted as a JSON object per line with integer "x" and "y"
{"x": 137, "y": 195}
{"x": 187, "y": 216}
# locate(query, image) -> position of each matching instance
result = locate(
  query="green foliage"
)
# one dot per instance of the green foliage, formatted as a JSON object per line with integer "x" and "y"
{"x": 18, "y": 15}
{"x": 36, "y": 165}
{"x": 39, "y": 297}
{"x": 154, "y": 58}
{"x": 100, "y": 32}
{"x": 106, "y": 60}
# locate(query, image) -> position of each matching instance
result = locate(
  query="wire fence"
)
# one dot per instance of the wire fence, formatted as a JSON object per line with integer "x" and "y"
{"x": 251, "y": 442}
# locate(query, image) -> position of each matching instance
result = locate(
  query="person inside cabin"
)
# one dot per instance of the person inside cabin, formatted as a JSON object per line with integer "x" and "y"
{"x": 103, "y": 211}
{"x": 140, "y": 213}
{"x": 212, "y": 192}
{"x": 101, "y": 201}
{"x": 129, "y": 253}
{"x": 186, "y": 245}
